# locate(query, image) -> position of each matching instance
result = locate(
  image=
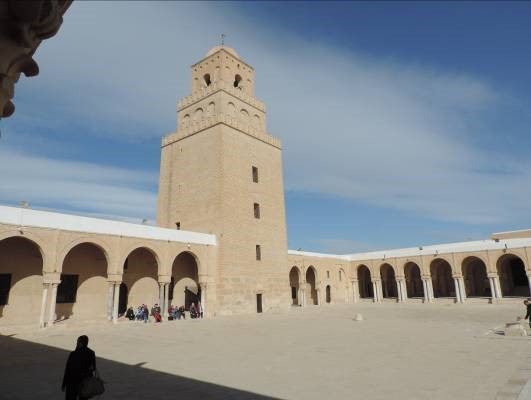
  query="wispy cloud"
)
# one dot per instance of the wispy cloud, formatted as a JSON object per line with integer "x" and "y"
{"x": 68, "y": 184}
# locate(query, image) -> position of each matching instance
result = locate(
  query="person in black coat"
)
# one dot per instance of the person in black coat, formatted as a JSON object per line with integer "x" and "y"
{"x": 80, "y": 364}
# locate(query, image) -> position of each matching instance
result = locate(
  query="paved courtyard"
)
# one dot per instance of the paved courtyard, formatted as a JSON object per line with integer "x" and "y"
{"x": 400, "y": 351}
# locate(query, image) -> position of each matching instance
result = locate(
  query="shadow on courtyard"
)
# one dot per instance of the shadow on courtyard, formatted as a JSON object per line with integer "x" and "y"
{"x": 32, "y": 370}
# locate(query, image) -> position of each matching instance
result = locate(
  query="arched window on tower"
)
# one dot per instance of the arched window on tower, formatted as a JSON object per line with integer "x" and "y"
{"x": 211, "y": 109}
{"x": 198, "y": 114}
{"x": 237, "y": 80}
{"x": 206, "y": 77}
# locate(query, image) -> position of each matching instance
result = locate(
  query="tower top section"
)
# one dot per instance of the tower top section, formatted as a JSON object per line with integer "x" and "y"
{"x": 222, "y": 92}
{"x": 215, "y": 49}
{"x": 223, "y": 67}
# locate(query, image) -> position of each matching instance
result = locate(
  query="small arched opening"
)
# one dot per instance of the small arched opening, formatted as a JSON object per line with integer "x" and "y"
{"x": 237, "y": 80}
{"x": 413, "y": 278}
{"x": 365, "y": 282}
{"x": 513, "y": 278}
{"x": 294, "y": 277}
{"x": 389, "y": 285}
{"x": 311, "y": 289}
{"x": 20, "y": 280}
{"x": 206, "y": 78}
{"x": 475, "y": 276}
{"x": 328, "y": 294}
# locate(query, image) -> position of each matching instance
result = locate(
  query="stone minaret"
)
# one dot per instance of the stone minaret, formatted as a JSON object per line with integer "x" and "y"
{"x": 221, "y": 173}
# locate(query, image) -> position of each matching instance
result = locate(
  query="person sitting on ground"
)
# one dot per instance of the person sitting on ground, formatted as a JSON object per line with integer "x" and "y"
{"x": 130, "y": 314}
{"x": 145, "y": 313}
{"x": 170, "y": 312}
{"x": 181, "y": 312}
{"x": 157, "y": 315}
{"x": 175, "y": 313}
{"x": 139, "y": 314}
{"x": 81, "y": 363}
{"x": 193, "y": 311}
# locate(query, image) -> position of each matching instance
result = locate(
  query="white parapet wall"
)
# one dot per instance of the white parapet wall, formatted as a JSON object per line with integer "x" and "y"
{"x": 25, "y": 217}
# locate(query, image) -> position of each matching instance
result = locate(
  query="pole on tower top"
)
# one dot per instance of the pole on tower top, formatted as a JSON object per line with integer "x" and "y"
{"x": 222, "y": 39}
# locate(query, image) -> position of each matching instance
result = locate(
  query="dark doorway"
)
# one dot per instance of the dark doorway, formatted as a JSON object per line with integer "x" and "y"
{"x": 191, "y": 297}
{"x": 259, "y": 303}
{"x": 122, "y": 300}
{"x": 294, "y": 294}
{"x": 475, "y": 276}
{"x": 513, "y": 278}
{"x": 414, "y": 286}
{"x": 328, "y": 294}
{"x": 365, "y": 282}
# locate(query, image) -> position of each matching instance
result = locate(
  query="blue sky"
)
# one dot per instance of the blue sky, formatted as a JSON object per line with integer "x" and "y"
{"x": 403, "y": 123}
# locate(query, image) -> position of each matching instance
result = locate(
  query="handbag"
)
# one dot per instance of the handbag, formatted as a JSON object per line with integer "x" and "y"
{"x": 91, "y": 386}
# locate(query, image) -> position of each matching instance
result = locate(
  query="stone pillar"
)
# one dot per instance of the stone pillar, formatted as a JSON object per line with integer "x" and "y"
{"x": 425, "y": 289}
{"x": 493, "y": 296}
{"x": 110, "y": 300}
{"x": 355, "y": 291}
{"x": 43, "y": 305}
{"x": 497, "y": 287}
{"x": 300, "y": 296}
{"x": 161, "y": 294}
{"x": 167, "y": 299}
{"x": 457, "y": 291}
{"x": 380, "y": 291}
{"x": 402, "y": 292}
{"x": 53, "y": 299}
{"x": 318, "y": 290}
{"x": 374, "y": 292}
{"x": 529, "y": 280}
{"x": 116, "y": 302}
{"x": 462, "y": 287}
{"x": 203, "y": 297}
{"x": 429, "y": 287}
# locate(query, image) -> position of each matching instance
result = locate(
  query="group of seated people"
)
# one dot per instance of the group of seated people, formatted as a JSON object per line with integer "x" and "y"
{"x": 142, "y": 312}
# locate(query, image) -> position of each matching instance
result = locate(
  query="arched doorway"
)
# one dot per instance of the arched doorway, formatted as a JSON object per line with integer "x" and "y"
{"x": 294, "y": 277}
{"x": 475, "y": 276}
{"x": 441, "y": 277}
{"x": 365, "y": 282}
{"x": 311, "y": 291}
{"x": 184, "y": 287}
{"x": 122, "y": 299}
{"x": 82, "y": 293}
{"x": 513, "y": 278}
{"x": 413, "y": 278}
{"x": 328, "y": 294}
{"x": 140, "y": 277}
{"x": 389, "y": 286}
{"x": 20, "y": 280}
